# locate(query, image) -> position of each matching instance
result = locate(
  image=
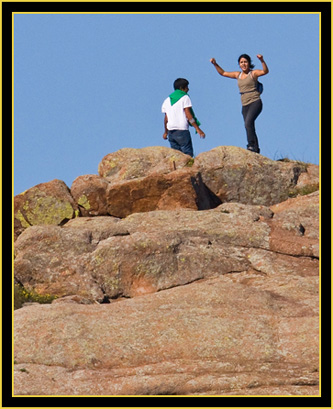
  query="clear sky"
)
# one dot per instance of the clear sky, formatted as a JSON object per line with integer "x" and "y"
{"x": 86, "y": 85}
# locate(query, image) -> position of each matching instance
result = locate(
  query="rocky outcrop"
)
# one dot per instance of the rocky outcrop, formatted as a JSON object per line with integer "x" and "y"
{"x": 140, "y": 180}
{"x": 178, "y": 282}
{"x": 236, "y": 175}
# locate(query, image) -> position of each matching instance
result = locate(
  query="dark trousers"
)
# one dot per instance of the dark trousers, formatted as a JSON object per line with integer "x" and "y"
{"x": 182, "y": 141}
{"x": 250, "y": 113}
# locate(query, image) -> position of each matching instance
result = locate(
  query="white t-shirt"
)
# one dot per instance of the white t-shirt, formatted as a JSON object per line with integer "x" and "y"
{"x": 176, "y": 115}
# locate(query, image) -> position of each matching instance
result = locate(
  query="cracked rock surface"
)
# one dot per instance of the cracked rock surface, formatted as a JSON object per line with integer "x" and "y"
{"x": 174, "y": 300}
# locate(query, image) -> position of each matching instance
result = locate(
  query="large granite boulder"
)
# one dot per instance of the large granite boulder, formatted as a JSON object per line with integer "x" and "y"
{"x": 237, "y": 175}
{"x": 130, "y": 163}
{"x": 45, "y": 204}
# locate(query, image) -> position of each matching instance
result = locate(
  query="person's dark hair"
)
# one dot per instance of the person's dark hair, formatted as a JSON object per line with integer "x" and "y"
{"x": 248, "y": 58}
{"x": 180, "y": 83}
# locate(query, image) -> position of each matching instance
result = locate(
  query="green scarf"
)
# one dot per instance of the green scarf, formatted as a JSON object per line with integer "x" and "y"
{"x": 175, "y": 96}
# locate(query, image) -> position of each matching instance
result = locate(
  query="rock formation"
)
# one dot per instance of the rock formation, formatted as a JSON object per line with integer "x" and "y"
{"x": 141, "y": 180}
{"x": 171, "y": 277}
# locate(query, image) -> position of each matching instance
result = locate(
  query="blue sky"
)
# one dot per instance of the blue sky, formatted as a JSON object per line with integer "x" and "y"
{"x": 86, "y": 85}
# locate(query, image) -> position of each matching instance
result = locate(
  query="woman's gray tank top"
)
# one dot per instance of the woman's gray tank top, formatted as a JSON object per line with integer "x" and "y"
{"x": 248, "y": 90}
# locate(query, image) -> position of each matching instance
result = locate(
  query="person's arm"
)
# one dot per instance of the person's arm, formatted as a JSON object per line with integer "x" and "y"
{"x": 165, "y": 135}
{"x": 191, "y": 120}
{"x": 264, "y": 71}
{"x": 220, "y": 70}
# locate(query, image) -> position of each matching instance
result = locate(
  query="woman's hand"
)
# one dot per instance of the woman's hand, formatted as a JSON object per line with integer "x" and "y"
{"x": 264, "y": 70}
{"x": 213, "y": 61}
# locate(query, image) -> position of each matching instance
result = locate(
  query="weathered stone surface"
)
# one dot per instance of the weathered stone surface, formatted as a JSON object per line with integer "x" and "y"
{"x": 47, "y": 203}
{"x": 164, "y": 298}
{"x": 231, "y": 173}
{"x": 214, "y": 337}
{"x": 182, "y": 188}
{"x": 296, "y": 226}
{"x": 105, "y": 257}
{"x": 141, "y": 180}
{"x": 128, "y": 163}
{"x": 308, "y": 181}
{"x": 237, "y": 175}
{"x": 89, "y": 192}
{"x": 302, "y": 210}
{"x": 52, "y": 261}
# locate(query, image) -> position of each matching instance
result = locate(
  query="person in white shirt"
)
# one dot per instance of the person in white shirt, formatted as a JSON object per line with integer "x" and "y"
{"x": 178, "y": 116}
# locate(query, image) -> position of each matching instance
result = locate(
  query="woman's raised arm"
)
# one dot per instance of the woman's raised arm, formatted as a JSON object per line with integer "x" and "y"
{"x": 264, "y": 71}
{"x": 233, "y": 74}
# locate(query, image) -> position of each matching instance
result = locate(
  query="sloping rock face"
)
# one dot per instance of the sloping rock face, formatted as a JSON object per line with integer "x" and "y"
{"x": 179, "y": 294}
{"x": 215, "y": 337}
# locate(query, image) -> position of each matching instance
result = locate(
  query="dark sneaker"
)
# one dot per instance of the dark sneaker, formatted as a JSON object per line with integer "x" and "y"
{"x": 252, "y": 149}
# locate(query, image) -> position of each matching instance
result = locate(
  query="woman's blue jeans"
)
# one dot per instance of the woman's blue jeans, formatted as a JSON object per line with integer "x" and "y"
{"x": 181, "y": 140}
{"x": 250, "y": 114}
